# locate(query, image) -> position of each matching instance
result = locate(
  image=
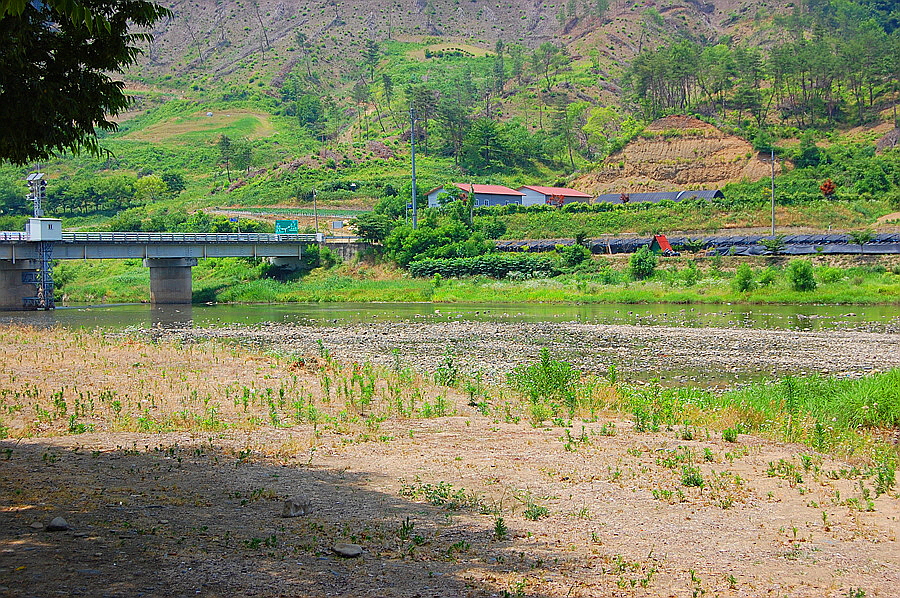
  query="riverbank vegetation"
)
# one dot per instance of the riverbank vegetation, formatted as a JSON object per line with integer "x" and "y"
{"x": 140, "y": 384}
{"x": 598, "y": 279}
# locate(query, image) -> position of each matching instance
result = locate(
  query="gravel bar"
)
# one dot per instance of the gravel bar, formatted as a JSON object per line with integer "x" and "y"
{"x": 638, "y": 352}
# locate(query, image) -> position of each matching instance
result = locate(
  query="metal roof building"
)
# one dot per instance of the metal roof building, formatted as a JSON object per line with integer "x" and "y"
{"x": 535, "y": 194}
{"x": 485, "y": 195}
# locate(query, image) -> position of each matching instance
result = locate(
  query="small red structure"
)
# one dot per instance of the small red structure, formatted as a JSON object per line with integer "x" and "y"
{"x": 660, "y": 244}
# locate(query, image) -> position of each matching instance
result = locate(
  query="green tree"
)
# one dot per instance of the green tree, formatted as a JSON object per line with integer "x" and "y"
{"x": 226, "y": 153}
{"x": 743, "y": 278}
{"x": 361, "y": 95}
{"x": 454, "y": 125}
{"x": 305, "y": 48}
{"x": 56, "y": 62}
{"x": 310, "y": 112}
{"x": 484, "y": 147}
{"x": 642, "y": 263}
{"x": 600, "y": 7}
{"x": 150, "y": 188}
{"x": 372, "y": 227}
{"x": 548, "y": 60}
{"x": 370, "y": 54}
{"x": 861, "y": 237}
{"x": 174, "y": 181}
{"x": 242, "y": 154}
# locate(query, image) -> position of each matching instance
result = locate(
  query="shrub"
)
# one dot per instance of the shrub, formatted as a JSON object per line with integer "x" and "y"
{"x": 893, "y": 199}
{"x": 691, "y": 274}
{"x": 572, "y": 255}
{"x": 493, "y": 265}
{"x": 800, "y": 275}
{"x": 743, "y": 278}
{"x": 830, "y": 274}
{"x": 774, "y": 245}
{"x": 642, "y": 263}
{"x": 768, "y": 276}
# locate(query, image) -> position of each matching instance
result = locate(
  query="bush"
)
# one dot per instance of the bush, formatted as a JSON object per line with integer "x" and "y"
{"x": 548, "y": 380}
{"x": 830, "y": 274}
{"x": 494, "y": 265}
{"x": 768, "y": 276}
{"x": 643, "y": 263}
{"x": 691, "y": 274}
{"x": 893, "y": 199}
{"x": 490, "y": 226}
{"x": 800, "y": 275}
{"x": 743, "y": 278}
{"x": 572, "y": 255}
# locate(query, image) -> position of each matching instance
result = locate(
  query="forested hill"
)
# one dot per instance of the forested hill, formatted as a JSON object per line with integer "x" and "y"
{"x": 260, "y": 102}
{"x": 537, "y": 85}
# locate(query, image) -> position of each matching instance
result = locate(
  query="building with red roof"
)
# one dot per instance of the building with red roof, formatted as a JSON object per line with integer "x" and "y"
{"x": 534, "y": 194}
{"x": 485, "y": 195}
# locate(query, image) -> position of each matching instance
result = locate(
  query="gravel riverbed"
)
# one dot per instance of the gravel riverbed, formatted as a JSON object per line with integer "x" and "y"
{"x": 676, "y": 354}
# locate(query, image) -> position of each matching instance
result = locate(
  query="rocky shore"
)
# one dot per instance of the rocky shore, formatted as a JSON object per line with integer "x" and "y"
{"x": 716, "y": 355}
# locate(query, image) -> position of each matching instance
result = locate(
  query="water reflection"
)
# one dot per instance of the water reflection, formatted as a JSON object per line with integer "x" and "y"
{"x": 791, "y": 317}
{"x": 172, "y": 316}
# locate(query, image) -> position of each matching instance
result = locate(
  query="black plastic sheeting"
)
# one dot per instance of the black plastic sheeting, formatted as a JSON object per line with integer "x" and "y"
{"x": 831, "y": 244}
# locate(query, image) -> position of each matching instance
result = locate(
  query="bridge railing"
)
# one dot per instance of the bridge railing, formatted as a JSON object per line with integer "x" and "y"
{"x": 13, "y": 236}
{"x": 194, "y": 238}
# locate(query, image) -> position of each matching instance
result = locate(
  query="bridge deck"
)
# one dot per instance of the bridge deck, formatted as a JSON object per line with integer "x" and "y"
{"x": 116, "y": 245}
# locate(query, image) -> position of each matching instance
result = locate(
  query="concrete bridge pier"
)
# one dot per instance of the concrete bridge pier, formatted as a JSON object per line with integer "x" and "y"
{"x": 12, "y": 290}
{"x": 170, "y": 279}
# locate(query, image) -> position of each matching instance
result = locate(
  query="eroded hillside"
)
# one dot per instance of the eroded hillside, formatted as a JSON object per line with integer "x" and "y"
{"x": 675, "y": 153}
{"x": 221, "y": 39}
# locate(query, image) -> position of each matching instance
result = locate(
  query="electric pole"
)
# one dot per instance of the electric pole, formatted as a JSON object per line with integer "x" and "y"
{"x": 412, "y": 146}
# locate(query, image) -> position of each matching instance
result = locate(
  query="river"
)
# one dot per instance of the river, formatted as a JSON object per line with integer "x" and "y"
{"x": 878, "y": 318}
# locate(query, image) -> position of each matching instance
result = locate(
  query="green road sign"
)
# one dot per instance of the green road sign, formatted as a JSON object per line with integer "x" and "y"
{"x": 286, "y": 227}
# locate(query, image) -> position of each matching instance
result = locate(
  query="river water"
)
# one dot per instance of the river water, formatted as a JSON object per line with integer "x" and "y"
{"x": 777, "y": 317}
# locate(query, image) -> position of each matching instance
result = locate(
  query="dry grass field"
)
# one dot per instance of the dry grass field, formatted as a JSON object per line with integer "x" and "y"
{"x": 170, "y": 462}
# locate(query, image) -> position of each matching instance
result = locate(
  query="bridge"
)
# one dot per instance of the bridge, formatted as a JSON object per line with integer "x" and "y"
{"x": 26, "y": 280}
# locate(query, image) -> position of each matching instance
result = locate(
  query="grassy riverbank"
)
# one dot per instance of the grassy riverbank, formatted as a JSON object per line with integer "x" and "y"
{"x": 548, "y": 480}
{"x": 134, "y": 383}
{"x": 604, "y": 280}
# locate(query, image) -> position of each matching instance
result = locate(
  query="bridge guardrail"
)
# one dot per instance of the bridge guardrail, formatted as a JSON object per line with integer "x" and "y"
{"x": 202, "y": 238}
{"x": 187, "y": 238}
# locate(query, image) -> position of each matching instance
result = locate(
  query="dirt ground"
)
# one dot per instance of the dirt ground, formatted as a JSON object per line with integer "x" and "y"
{"x": 198, "y": 512}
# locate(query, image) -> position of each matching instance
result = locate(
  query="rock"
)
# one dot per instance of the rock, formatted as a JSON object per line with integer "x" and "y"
{"x": 347, "y": 550}
{"x": 37, "y": 525}
{"x": 58, "y": 524}
{"x": 297, "y": 507}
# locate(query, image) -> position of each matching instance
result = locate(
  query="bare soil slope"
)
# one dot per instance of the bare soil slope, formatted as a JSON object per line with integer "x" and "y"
{"x": 677, "y": 153}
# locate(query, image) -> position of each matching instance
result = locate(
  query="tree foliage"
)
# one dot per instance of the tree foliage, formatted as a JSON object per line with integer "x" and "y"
{"x": 833, "y": 64}
{"x": 55, "y": 65}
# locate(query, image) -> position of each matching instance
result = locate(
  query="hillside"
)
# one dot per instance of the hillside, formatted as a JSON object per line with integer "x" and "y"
{"x": 676, "y": 153}
{"x": 262, "y": 103}
{"x": 211, "y": 40}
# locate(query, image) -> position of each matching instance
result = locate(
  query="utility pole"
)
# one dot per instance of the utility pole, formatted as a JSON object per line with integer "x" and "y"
{"x": 412, "y": 145}
{"x": 315, "y": 211}
{"x": 773, "y": 190}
